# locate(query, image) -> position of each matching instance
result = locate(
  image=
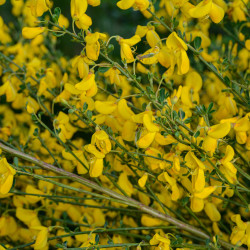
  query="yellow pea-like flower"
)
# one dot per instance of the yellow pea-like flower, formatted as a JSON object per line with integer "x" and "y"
{"x": 209, "y": 144}
{"x": 145, "y": 139}
{"x": 93, "y": 150}
{"x": 32, "y": 190}
{"x": 78, "y": 8}
{"x": 126, "y": 52}
{"x": 6, "y": 176}
{"x": 128, "y": 131}
{"x": 105, "y": 107}
{"x": 92, "y": 45}
{"x": 114, "y": 76}
{"x": 27, "y": 216}
{"x": 157, "y": 238}
{"x": 212, "y": 212}
{"x": 153, "y": 38}
{"x": 176, "y": 163}
{"x": 142, "y": 181}
{"x": 177, "y": 49}
{"x": 125, "y": 184}
{"x": 149, "y": 221}
{"x": 124, "y": 111}
{"x": 137, "y": 4}
{"x": 197, "y": 200}
{"x": 2, "y": 2}
{"x": 149, "y": 124}
{"x": 101, "y": 140}
{"x": 164, "y": 140}
{"x": 207, "y": 8}
{"x": 219, "y": 131}
{"x": 30, "y": 33}
{"x": 9, "y": 90}
{"x": 38, "y": 7}
{"x": 86, "y": 83}
{"x": 41, "y": 238}
{"x": 96, "y": 167}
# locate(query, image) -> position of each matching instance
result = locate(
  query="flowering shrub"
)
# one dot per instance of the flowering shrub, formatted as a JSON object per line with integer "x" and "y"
{"x": 148, "y": 148}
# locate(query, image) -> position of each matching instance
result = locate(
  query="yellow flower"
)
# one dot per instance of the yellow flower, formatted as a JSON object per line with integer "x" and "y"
{"x": 142, "y": 181}
{"x": 238, "y": 10}
{"x": 9, "y": 90}
{"x": 227, "y": 167}
{"x": 213, "y": 134}
{"x": 137, "y": 4}
{"x": 27, "y": 216}
{"x": 114, "y": 76}
{"x": 124, "y": 111}
{"x": 82, "y": 64}
{"x": 38, "y": 7}
{"x": 126, "y": 52}
{"x": 32, "y": 105}
{"x": 176, "y": 194}
{"x": 8, "y": 226}
{"x": 6, "y": 176}
{"x": 105, "y": 107}
{"x": 30, "y": 33}
{"x": 125, "y": 184}
{"x": 96, "y": 163}
{"x": 240, "y": 126}
{"x": 207, "y": 8}
{"x": 41, "y": 238}
{"x": 2, "y": 2}
{"x": 177, "y": 49}
{"x": 78, "y": 9}
{"x": 239, "y": 235}
{"x": 212, "y": 212}
{"x": 152, "y": 37}
{"x": 87, "y": 83}
{"x": 162, "y": 242}
{"x": 66, "y": 129}
{"x": 92, "y": 45}
{"x": 146, "y": 138}
{"x": 197, "y": 200}
{"x": 150, "y": 56}
{"x": 101, "y": 140}
{"x": 94, "y": 3}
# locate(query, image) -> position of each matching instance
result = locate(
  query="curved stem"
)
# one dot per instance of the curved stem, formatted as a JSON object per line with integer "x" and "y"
{"x": 128, "y": 200}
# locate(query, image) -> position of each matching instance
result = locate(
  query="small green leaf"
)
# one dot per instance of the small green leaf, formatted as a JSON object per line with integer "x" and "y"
{"x": 89, "y": 114}
{"x": 84, "y": 107}
{"x": 227, "y": 81}
{"x": 56, "y": 15}
{"x": 103, "y": 69}
{"x": 181, "y": 114}
{"x": 196, "y": 134}
{"x": 197, "y": 42}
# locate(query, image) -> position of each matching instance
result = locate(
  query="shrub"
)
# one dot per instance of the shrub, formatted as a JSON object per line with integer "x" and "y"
{"x": 145, "y": 147}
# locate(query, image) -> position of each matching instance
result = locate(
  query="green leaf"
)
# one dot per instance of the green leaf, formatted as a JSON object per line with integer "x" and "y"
{"x": 210, "y": 106}
{"x": 36, "y": 131}
{"x": 161, "y": 95}
{"x": 89, "y": 114}
{"x": 227, "y": 81}
{"x": 197, "y": 42}
{"x": 84, "y": 107}
{"x": 56, "y": 15}
{"x": 103, "y": 69}
{"x": 196, "y": 134}
{"x": 181, "y": 114}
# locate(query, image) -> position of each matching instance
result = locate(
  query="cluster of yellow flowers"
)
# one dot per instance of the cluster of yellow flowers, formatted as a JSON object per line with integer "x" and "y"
{"x": 148, "y": 150}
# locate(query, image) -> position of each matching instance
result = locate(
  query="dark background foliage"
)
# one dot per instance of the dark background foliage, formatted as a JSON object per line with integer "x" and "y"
{"x": 106, "y": 18}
